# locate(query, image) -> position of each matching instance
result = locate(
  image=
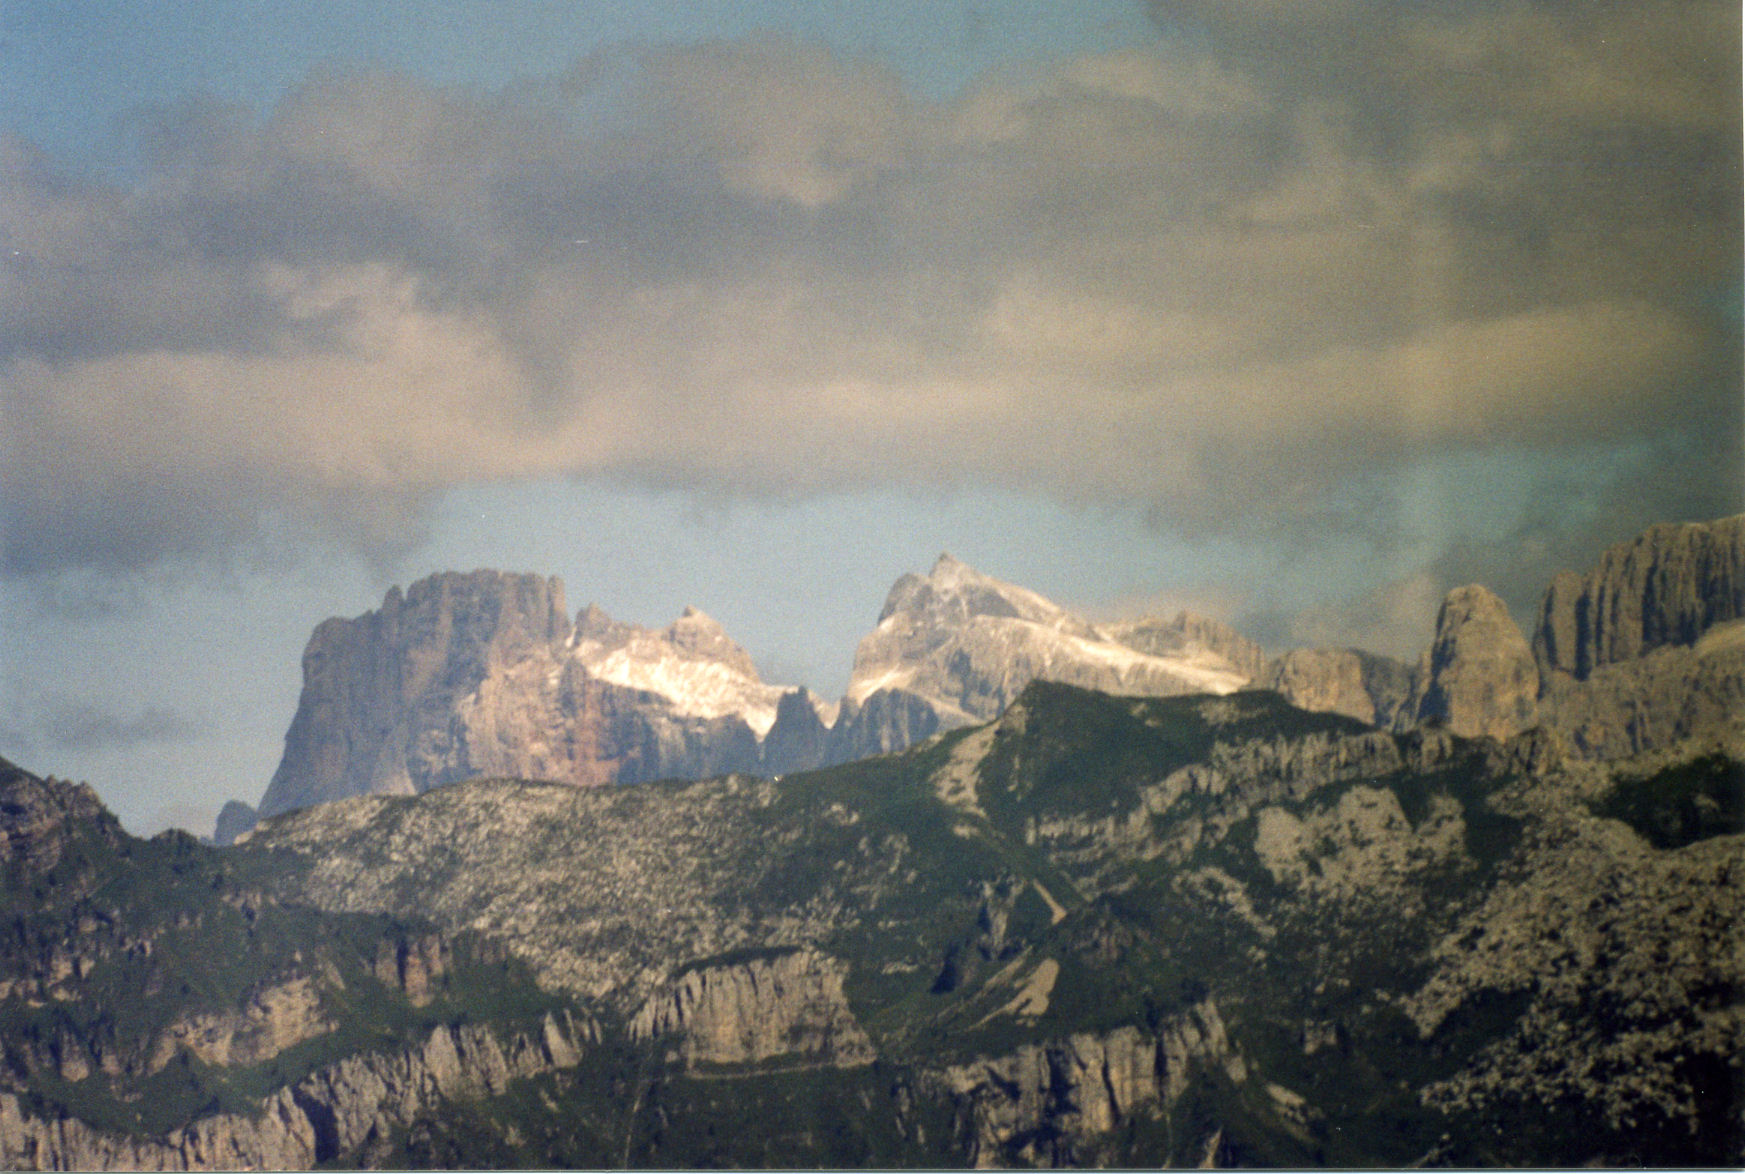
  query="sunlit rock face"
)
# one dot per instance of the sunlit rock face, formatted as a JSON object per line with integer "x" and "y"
{"x": 483, "y": 674}
{"x": 1478, "y": 678}
{"x": 786, "y": 1005}
{"x": 464, "y": 675}
{"x": 957, "y": 646}
{"x": 1357, "y": 684}
{"x": 1640, "y": 652}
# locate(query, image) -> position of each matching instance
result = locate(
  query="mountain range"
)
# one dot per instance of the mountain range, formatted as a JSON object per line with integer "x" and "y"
{"x": 484, "y": 674}
{"x": 1106, "y": 894}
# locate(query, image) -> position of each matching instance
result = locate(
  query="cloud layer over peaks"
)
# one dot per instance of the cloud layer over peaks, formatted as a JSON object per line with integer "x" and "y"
{"x": 1219, "y": 280}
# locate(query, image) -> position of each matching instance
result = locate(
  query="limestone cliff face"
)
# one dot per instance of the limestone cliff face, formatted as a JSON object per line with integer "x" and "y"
{"x": 1647, "y": 648}
{"x": 1663, "y": 589}
{"x": 482, "y": 674}
{"x": 1357, "y": 684}
{"x": 334, "y": 1113}
{"x": 1045, "y": 1103}
{"x": 956, "y": 646}
{"x": 1478, "y": 678}
{"x": 1654, "y": 701}
{"x": 1643, "y": 650}
{"x": 276, "y": 1018}
{"x": 788, "y": 1006}
{"x": 380, "y": 691}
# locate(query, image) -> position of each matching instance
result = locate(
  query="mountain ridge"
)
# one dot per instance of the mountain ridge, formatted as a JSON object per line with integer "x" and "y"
{"x": 483, "y": 673}
{"x": 1097, "y": 930}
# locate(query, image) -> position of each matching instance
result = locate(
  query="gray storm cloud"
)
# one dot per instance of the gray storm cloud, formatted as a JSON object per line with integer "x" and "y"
{"x": 1212, "y": 278}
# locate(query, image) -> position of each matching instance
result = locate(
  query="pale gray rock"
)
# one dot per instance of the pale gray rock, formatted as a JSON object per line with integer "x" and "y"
{"x": 380, "y": 691}
{"x": 966, "y": 644}
{"x": 1479, "y": 677}
{"x": 273, "y": 1019}
{"x": 482, "y": 675}
{"x": 1358, "y": 684}
{"x": 1046, "y": 1103}
{"x": 1188, "y": 634}
{"x": 1647, "y": 648}
{"x": 36, "y": 816}
{"x": 1657, "y": 701}
{"x": 327, "y": 1116}
{"x": 786, "y": 1005}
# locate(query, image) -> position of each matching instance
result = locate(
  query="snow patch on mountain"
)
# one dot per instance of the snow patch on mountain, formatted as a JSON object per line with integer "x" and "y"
{"x": 692, "y": 664}
{"x": 969, "y": 643}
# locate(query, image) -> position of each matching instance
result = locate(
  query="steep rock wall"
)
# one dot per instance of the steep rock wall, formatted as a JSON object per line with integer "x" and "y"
{"x": 1664, "y": 588}
{"x": 379, "y": 690}
{"x": 329, "y": 1115}
{"x": 1478, "y": 679}
{"x": 1045, "y": 1103}
{"x": 789, "y": 1005}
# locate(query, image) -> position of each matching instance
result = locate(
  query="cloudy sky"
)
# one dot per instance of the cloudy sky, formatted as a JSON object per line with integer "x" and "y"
{"x": 1294, "y": 314}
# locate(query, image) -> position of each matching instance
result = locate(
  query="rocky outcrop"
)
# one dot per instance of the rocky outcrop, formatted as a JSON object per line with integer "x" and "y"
{"x": 1360, "y": 847}
{"x": 380, "y": 692}
{"x": 1358, "y": 684}
{"x": 482, "y": 674}
{"x": 1647, "y": 648}
{"x": 1644, "y": 650}
{"x": 328, "y": 1116}
{"x": 1190, "y": 635}
{"x": 1665, "y": 588}
{"x": 37, "y": 815}
{"x": 273, "y": 1019}
{"x": 1045, "y": 1103}
{"x": 784, "y": 1005}
{"x": 1479, "y": 677}
{"x": 414, "y": 966}
{"x": 957, "y": 646}
{"x": 1655, "y": 701}
{"x": 1595, "y": 918}
{"x": 800, "y": 737}
{"x": 235, "y": 819}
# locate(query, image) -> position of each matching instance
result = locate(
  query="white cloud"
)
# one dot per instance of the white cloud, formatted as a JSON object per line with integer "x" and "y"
{"x": 1197, "y": 280}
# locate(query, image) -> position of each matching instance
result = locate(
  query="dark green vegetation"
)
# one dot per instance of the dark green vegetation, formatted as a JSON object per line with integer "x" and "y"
{"x": 1682, "y": 804}
{"x": 153, "y": 982}
{"x": 1100, "y": 931}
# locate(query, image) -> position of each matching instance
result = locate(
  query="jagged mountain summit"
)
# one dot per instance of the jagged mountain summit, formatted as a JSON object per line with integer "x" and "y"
{"x": 1642, "y": 651}
{"x": 968, "y": 644}
{"x": 475, "y": 674}
{"x": 484, "y": 674}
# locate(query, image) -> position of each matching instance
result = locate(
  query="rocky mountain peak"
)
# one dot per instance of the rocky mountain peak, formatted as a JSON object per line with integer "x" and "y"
{"x": 699, "y": 636}
{"x": 1478, "y": 678}
{"x": 954, "y": 592}
{"x": 1664, "y": 588}
{"x": 964, "y": 644}
{"x": 692, "y": 664}
{"x": 378, "y": 690}
{"x": 37, "y": 815}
